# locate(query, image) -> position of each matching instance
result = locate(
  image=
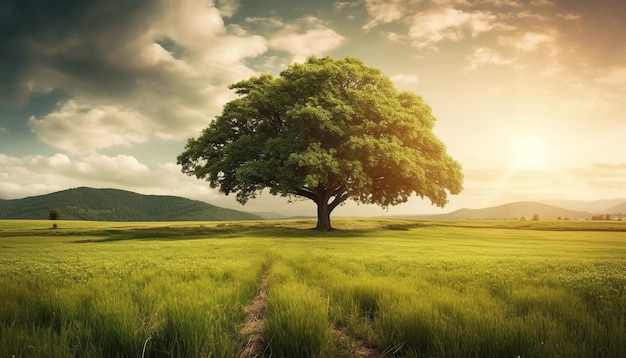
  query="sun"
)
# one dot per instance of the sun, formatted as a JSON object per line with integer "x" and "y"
{"x": 529, "y": 153}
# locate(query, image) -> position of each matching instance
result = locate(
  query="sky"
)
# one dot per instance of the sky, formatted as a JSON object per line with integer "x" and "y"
{"x": 529, "y": 96}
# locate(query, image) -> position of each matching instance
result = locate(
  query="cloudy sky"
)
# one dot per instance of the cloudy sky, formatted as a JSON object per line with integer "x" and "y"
{"x": 530, "y": 96}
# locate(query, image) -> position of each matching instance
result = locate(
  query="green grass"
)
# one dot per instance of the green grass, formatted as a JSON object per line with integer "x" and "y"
{"x": 297, "y": 316}
{"x": 410, "y": 288}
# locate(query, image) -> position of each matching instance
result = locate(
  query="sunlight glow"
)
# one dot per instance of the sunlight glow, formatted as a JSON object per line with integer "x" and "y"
{"x": 530, "y": 153}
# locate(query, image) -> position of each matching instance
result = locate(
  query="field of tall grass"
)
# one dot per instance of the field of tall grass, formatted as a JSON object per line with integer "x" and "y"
{"x": 403, "y": 288}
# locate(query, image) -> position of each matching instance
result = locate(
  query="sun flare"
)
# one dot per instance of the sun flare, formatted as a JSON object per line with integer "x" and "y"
{"x": 529, "y": 153}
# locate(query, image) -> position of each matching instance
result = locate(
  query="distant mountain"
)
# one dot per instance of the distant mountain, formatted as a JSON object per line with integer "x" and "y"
{"x": 617, "y": 209}
{"x": 514, "y": 211}
{"x": 592, "y": 206}
{"x": 116, "y": 205}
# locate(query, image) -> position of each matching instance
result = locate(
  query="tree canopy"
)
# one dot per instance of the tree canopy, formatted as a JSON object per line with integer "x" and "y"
{"x": 327, "y": 130}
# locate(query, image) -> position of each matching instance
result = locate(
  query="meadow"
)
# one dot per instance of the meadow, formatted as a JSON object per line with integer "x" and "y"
{"x": 375, "y": 287}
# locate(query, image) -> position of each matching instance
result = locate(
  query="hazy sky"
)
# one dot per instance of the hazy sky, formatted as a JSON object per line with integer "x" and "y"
{"x": 529, "y": 95}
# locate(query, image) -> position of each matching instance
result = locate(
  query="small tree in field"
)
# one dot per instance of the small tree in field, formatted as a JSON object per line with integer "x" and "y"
{"x": 55, "y": 214}
{"x": 326, "y": 130}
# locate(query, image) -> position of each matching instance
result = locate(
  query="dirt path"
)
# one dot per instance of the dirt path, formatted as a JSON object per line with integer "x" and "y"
{"x": 348, "y": 344}
{"x": 352, "y": 346}
{"x": 255, "y": 322}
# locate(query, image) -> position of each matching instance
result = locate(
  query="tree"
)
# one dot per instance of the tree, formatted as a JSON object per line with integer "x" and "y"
{"x": 535, "y": 217}
{"x": 326, "y": 130}
{"x": 55, "y": 214}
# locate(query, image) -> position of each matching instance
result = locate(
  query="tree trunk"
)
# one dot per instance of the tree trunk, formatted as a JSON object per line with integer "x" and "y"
{"x": 323, "y": 216}
{"x": 321, "y": 196}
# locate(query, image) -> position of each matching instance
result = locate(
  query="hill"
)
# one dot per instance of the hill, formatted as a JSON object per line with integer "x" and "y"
{"x": 514, "y": 211}
{"x": 116, "y": 205}
{"x": 617, "y": 209}
{"x": 592, "y": 206}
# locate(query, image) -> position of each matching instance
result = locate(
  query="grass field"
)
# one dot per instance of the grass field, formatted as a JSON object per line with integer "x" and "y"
{"x": 400, "y": 288}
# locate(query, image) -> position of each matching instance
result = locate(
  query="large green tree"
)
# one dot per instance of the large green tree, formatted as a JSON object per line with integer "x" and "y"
{"x": 327, "y": 130}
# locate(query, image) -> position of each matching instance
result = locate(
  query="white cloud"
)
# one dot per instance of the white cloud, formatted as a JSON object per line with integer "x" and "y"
{"x": 341, "y": 5}
{"x": 32, "y": 175}
{"x": 77, "y": 127}
{"x": 59, "y": 160}
{"x": 543, "y": 3}
{"x": 531, "y": 41}
{"x": 430, "y": 23}
{"x": 114, "y": 167}
{"x": 233, "y": 49}
{"x": 307, "y": 36}
{"x": 429, "y": 28}
{"x": 405, "y": 79}
{"x": 154, "y": 55}
{"x": 8, "y": 161}
{"x": 503, "y": 3}
{"x": 385, "y": 11}
{"x": 228, "y": 8}
{"x": 565, "y": 65}
{"x": 188, "y": 23}
{"x": 531, "y": 15}
{"x": 393, "y": 37}
{"x": 569, "y": 17}
{"x": 485, "y": 56}
{"x": 265, "y": 21}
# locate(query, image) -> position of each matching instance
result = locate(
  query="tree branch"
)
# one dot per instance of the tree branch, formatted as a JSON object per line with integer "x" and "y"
{"x": 307, "y": 194}
{"x": 340, "y": 197}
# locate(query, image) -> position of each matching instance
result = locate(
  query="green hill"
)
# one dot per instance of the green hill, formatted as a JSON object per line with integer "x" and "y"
{"x": 116, "y": 205}
{"x": 514, "y": 211}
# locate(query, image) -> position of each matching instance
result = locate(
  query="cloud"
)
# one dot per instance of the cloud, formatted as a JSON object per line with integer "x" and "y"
{"x": 306, "y": 36}
{"x": 427, "y": 29}
{"x": 393, "y": 37}
{"x": 265, "y": 21}
{"x": 405, "y": 79}
{"x": 529, "y": 42}
{"x": 122, "y": 170}
{"x": 228, "y": 8}
{"x": 570, "y": 17}
{"x": 135, "y": 69}
{"x": 77, "y": 127}
{"x": 503, "y": 3}
{"x": 384, "y": 12}
{"x": 59, "y": 160}
{"x": 559, "y": 57}
{"x": 485, "y": 56}
{"x": 430, "y": 23}
{"x": 341, "y": 5}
